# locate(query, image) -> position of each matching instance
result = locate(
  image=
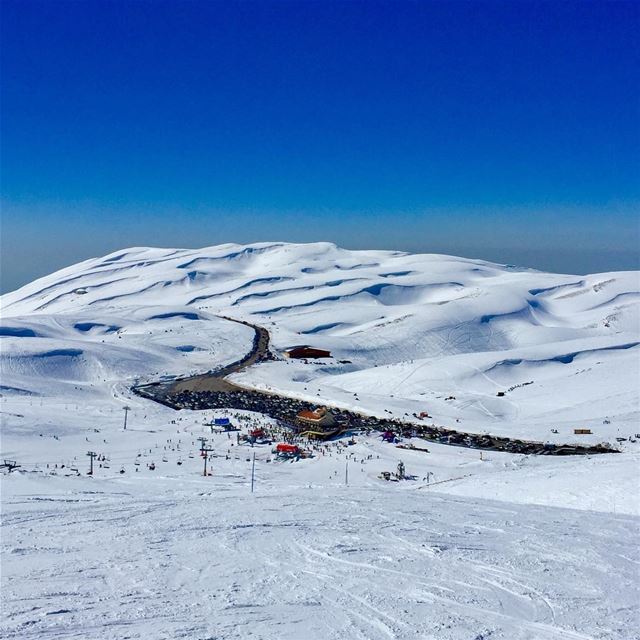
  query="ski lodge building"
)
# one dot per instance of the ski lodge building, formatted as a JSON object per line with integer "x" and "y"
{"x": 305, "y": 351}
{"x": 320, "y": 417}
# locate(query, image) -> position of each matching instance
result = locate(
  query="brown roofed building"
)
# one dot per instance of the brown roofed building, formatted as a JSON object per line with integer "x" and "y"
{"x": 320, "y": 417}
{"x": 304, "y": 351}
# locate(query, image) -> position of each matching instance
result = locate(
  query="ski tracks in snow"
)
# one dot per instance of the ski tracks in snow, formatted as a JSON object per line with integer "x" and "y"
{"x": 166, "y": 561}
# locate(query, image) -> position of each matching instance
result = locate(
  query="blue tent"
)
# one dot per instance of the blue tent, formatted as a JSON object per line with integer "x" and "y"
{"x": 221, "y": 422}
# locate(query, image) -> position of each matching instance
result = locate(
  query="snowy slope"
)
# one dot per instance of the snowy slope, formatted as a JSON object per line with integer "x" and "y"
{"x": 475, "y": 547}
{"x": 174, "y": 560}
{"x": 420, "y": 328}
{"x": 509, "y": 547}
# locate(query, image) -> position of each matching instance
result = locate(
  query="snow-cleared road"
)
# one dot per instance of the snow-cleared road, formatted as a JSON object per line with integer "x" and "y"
{"x": 222, "y": 393}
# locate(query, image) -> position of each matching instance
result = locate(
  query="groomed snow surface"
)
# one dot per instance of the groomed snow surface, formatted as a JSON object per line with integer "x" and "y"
{"x": 500, "y": 547}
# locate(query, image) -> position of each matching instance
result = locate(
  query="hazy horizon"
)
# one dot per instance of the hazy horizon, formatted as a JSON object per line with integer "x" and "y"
{"x": 570, "y": 262}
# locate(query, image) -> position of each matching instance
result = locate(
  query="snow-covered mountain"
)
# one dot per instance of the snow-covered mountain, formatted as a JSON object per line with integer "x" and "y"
{"x": 475, "y": 545}
{"x": 406, "y": 332}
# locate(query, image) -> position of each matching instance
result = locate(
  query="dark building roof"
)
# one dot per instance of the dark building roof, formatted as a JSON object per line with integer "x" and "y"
{"x": 304, "y": 351}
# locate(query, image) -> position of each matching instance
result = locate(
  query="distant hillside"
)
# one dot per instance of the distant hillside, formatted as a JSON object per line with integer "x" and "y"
{"x": 415, "y": 330}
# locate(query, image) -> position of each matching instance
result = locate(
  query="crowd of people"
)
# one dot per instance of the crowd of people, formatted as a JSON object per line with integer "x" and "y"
{"x": 285, "y": 409}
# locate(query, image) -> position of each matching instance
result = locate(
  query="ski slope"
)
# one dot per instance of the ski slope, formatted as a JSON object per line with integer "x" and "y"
{"x": 170, "y": 559}
{"x": 504, "y": 546}
{"x": 474, "y": 547}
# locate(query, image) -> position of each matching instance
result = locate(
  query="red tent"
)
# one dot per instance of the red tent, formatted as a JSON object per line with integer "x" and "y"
{"x": 284, "y": 447}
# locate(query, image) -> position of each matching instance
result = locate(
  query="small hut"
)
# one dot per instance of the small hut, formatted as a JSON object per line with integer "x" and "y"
{"x": 305, "y": 351}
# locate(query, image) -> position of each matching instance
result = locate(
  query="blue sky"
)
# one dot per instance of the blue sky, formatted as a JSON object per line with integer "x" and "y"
{"x": 503, "y": 130}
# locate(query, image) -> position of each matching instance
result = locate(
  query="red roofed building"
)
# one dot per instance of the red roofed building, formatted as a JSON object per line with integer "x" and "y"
{"x": 304, "y": 351}
{"x": 320, "y": 417}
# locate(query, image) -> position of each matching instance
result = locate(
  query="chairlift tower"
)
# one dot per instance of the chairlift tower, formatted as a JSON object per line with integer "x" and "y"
{"x": 205, "y": 456}
{"x": 92, "y": 455}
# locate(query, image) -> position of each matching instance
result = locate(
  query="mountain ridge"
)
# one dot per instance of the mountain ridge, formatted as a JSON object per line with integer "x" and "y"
{"x": 447, "y": 326}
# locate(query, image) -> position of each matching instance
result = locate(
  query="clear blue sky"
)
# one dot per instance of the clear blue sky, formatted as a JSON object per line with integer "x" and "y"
{"x": 502, "y": 130}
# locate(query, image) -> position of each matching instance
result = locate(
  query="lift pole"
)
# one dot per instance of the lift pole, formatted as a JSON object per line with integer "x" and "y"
{"x": 126, "y": 411}
{"x": 253, "y": 470}
{"x": 205, "y": 455}
{"x": 92, "y": 455}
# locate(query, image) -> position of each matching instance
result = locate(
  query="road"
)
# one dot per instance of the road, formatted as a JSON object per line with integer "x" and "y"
{"x": 216, "y": 381}
{"x": 213, "y": 390}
